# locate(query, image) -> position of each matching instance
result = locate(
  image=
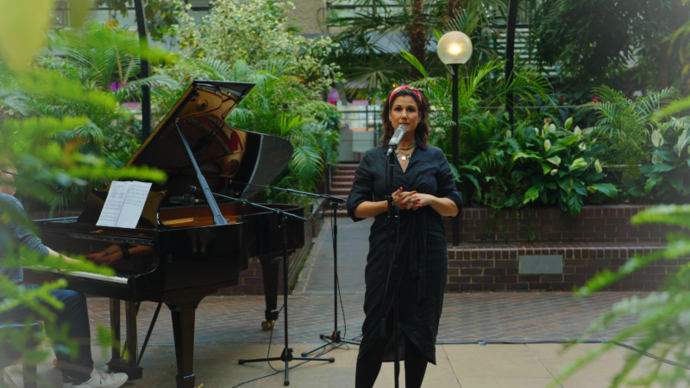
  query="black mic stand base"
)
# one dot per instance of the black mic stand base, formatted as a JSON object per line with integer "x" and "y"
{"x": 286, "y": 356}
{"x": 335, "y": 338}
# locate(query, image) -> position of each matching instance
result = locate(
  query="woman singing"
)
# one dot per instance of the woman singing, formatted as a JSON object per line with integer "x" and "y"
{"x": 426, "y": 192}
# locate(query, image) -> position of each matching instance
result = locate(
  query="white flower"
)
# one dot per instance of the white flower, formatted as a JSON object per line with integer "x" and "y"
{"x": 547, "y": 145}
{"x": 508, "y": 134}
{"x": 657, "y": 138}
{"x": 552, "y": 128}
{"x": 554, "y": 172}
{"x": 597, "y": 166}
{"x": 583, "y": 147}
{"x": 577, "y": 130}
{"x": 682, "y": 139}
{"x": 656, "y": 159}
{"x": 536, "y": 130}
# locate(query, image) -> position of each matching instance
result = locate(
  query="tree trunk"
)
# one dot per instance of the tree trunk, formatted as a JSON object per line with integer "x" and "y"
{"x": 417, "y": 37}
{"x": 453, "y": 7}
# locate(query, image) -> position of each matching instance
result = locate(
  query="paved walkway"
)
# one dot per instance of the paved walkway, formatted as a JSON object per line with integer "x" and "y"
{"x": 228, "y": 328}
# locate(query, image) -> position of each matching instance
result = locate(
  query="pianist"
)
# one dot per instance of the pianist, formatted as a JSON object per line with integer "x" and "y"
{"x": 79, "y": 370}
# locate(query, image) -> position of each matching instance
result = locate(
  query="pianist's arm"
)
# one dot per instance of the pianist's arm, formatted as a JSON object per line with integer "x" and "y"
{"x": 26, "y": 237}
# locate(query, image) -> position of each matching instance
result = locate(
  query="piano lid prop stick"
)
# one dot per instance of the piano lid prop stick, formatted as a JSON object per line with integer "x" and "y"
{"x": 218, "y": 218}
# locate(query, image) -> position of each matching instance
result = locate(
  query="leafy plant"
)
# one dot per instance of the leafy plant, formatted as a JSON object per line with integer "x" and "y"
{"x": 594, "y": 40}
{"x": 278, "y": 105}
{"x": 625, "y": 125}
{"x": 373, "y": 32}
{"x": 481, "y": 97}
{"x": 661, "y": 327}
{"x": 557, "y": 167}
{"x": 159, "y": 14}
{"x": 100, "y": 59}
{"x": 27, "y": 137}
{"x": 667, "y": 178}
{"x": 256, "y": 32}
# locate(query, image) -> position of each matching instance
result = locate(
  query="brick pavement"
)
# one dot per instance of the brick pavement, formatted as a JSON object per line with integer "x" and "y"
{"x": 504, "y": 316}
{"x": 489, "y": 316}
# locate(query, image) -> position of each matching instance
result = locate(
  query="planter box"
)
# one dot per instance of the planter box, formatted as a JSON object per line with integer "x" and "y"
{"x": 497, "y": 254}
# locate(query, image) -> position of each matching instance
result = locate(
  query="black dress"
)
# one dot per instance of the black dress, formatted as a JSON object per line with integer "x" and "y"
{"x": 422, "y": 249}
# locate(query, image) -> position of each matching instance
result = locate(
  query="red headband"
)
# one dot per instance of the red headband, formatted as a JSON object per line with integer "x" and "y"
{"x": 399, "y": 88}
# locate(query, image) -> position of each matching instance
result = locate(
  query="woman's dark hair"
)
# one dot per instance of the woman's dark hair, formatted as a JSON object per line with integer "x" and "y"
{"x": 421, "y": 133}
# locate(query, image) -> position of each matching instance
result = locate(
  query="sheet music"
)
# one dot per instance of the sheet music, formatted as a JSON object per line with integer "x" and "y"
{"x": 113, "y": 204}
{"x": 133, "y": 204}
{"x": 124, "y": 204}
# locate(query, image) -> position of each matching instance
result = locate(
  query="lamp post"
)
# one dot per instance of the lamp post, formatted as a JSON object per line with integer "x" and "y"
{"x": 454, "y": 49}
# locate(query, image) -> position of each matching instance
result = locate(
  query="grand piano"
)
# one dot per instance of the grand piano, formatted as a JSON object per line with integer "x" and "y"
{"x": 188, "y": 242}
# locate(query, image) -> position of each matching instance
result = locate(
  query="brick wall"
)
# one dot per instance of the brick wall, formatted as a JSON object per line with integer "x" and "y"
{"x": 594, "y": 223}
{"x": 599, "y": 238}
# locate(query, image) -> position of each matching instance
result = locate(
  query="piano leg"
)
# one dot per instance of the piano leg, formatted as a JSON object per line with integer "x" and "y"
{"x": 183, "y": 315}
{"x": 117, "y": 363}
{"x": 270, "y": 266}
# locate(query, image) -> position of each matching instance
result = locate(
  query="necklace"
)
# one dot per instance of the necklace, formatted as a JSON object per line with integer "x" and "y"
{"x": 405, "y": 156}
{"x": 405, "y": 149}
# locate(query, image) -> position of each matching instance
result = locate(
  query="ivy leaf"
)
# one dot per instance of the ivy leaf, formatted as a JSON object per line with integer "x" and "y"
{"x": 578, "y": 163}
{"x": 662, "y": 167}
{"x": 520, "y": 155}
{"x": 607, "y": 189}
{"x": 568, "y": 141}
{"x": 546, "y": 168}
{"x": 531, "y": 195}
{"x": 555, "y": 160}
{"x": 677, "y": 182}
{"x": 665, "y": 155}
{"x": 574, "y": 204}
{"x": 651, "y": 182}
{"x": 579, "y": 188}
{"x": 566, "y": 184}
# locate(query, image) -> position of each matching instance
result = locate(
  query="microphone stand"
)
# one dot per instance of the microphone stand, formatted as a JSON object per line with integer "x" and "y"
{"x": 286, "y": 355}
{"x": 392, "y": 221}
{"x": 333, "y": 205}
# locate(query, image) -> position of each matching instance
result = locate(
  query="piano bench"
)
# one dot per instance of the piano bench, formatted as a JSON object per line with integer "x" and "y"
{"x": 9, "y": 356}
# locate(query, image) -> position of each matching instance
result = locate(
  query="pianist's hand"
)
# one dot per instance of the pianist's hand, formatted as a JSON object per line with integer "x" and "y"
{"x": 104, "y": 258}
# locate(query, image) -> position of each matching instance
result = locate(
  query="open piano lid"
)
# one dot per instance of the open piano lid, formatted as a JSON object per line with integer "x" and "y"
{"x": 227, "y": 157}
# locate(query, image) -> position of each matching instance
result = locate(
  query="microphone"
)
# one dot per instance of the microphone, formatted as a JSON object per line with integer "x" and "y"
{"x": 397, "y": 137}
{"x": 186, "y": 200}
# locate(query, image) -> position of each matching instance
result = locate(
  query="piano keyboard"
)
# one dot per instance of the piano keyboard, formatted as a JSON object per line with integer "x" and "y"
{"x": 86, "y": 275}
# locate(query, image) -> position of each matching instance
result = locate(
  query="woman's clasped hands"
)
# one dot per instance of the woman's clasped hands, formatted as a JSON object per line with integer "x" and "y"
{"x": 411, "y": 200}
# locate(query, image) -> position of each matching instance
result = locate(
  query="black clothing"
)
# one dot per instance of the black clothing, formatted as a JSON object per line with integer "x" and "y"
{"x": 421, "y": 251}
{"x": 369, "y": 366}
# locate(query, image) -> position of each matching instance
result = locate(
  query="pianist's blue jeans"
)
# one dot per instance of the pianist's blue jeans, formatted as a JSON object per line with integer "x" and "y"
{"x": 74, "y": 314}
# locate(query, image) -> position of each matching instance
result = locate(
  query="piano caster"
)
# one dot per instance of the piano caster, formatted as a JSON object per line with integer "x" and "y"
{"x": 268, "y": 325}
